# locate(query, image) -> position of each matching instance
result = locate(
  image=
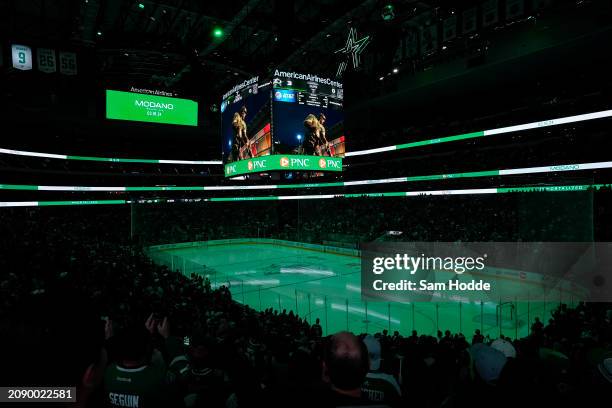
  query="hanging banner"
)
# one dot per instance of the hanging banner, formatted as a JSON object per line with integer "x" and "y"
{"x": 46, "y": 60}
{"x": 68, "y": 63}
{"x": 412, "y": 44}
{"x": 469, "y": 21}
{"x": 490, "y": 14}
{"x": 22, "y": 57}
{"x": 150, "y": 108}
{"x": 449, "y": 28}
{"x": 429, "y": 39}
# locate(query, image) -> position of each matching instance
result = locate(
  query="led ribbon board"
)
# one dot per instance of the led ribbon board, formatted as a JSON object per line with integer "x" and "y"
{"x": 449, "y": 176}
{"x": 104, "y": 159}
{"x": 289, "y": 162}
{"x": 471, "y": 191}
{"x": 150, "y": 108}
{"x": 488, "y": 132}
{"x": 546, "y": 123}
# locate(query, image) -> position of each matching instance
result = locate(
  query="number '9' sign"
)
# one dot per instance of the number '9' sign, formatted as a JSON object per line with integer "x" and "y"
{"x": 22, "y": 57}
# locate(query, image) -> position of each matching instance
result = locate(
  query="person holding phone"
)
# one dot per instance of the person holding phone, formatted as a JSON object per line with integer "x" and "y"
{"x": 139, "y": 377}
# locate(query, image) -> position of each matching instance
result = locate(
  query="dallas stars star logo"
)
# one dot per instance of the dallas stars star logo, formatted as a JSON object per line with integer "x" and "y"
{"x": 352, "y": 50}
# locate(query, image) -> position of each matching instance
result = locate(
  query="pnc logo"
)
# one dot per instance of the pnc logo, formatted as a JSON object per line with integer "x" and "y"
{"x": 284, "y": 162}
{"x": 335, "y": 164}
{"x": 250, "y": 165}
{"x": 300, "y": 162}
{"x": 322, "y": 163}
{"x": 230, "y": 169}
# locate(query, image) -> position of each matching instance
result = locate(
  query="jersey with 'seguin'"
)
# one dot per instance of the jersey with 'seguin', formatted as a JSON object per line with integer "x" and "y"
{"x": 139, "y": 387}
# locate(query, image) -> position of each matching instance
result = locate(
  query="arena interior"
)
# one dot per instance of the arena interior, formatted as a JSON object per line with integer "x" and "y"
{"x": 208, "y": 203}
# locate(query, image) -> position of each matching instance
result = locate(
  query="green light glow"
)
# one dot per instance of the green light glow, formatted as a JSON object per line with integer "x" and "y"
{"x": 388, "y": 12}
{"x": 217, "y": 32}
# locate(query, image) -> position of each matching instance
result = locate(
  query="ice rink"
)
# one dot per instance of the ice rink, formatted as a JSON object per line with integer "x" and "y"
{"x": 316, "y": 284}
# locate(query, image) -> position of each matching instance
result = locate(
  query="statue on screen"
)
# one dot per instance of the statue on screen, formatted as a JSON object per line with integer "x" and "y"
{"x": 241, "y": 147}
{"x": 316, "y": 142}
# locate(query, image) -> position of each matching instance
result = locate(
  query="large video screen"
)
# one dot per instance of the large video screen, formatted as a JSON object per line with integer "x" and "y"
{"x": 308, "y": 115}
{"x": 290, "y": 122}
{"x": 245, "y": 121}
{"x": 142, "y": 107}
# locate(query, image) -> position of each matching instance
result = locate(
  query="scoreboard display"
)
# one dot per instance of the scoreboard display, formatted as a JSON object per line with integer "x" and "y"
{"x": 289, "y": 122}
{"x": 308, "y": 114}
{"x": 308, "y": 92}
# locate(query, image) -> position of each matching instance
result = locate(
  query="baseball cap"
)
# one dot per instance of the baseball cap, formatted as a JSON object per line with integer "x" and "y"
{"x": 505, "y": 347}
{"x": 488, "y": 362}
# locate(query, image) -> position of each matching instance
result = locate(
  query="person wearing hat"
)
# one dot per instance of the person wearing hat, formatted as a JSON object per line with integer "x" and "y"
{"x": 488, "y": 362}
{"x": 379, "y": 387}
{"x": 505, "y": 347}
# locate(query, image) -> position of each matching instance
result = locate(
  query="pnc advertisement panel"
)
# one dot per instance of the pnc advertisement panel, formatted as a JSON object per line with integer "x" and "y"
{"x": 283, "y": 162}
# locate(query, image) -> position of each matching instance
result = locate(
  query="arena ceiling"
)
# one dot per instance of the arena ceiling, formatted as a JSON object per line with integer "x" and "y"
{"x": 170, "y": 42}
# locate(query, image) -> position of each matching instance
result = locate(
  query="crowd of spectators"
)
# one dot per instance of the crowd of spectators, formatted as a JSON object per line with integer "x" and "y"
{"x": 556, "y": 216}
{"x": 83, "y": 306}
